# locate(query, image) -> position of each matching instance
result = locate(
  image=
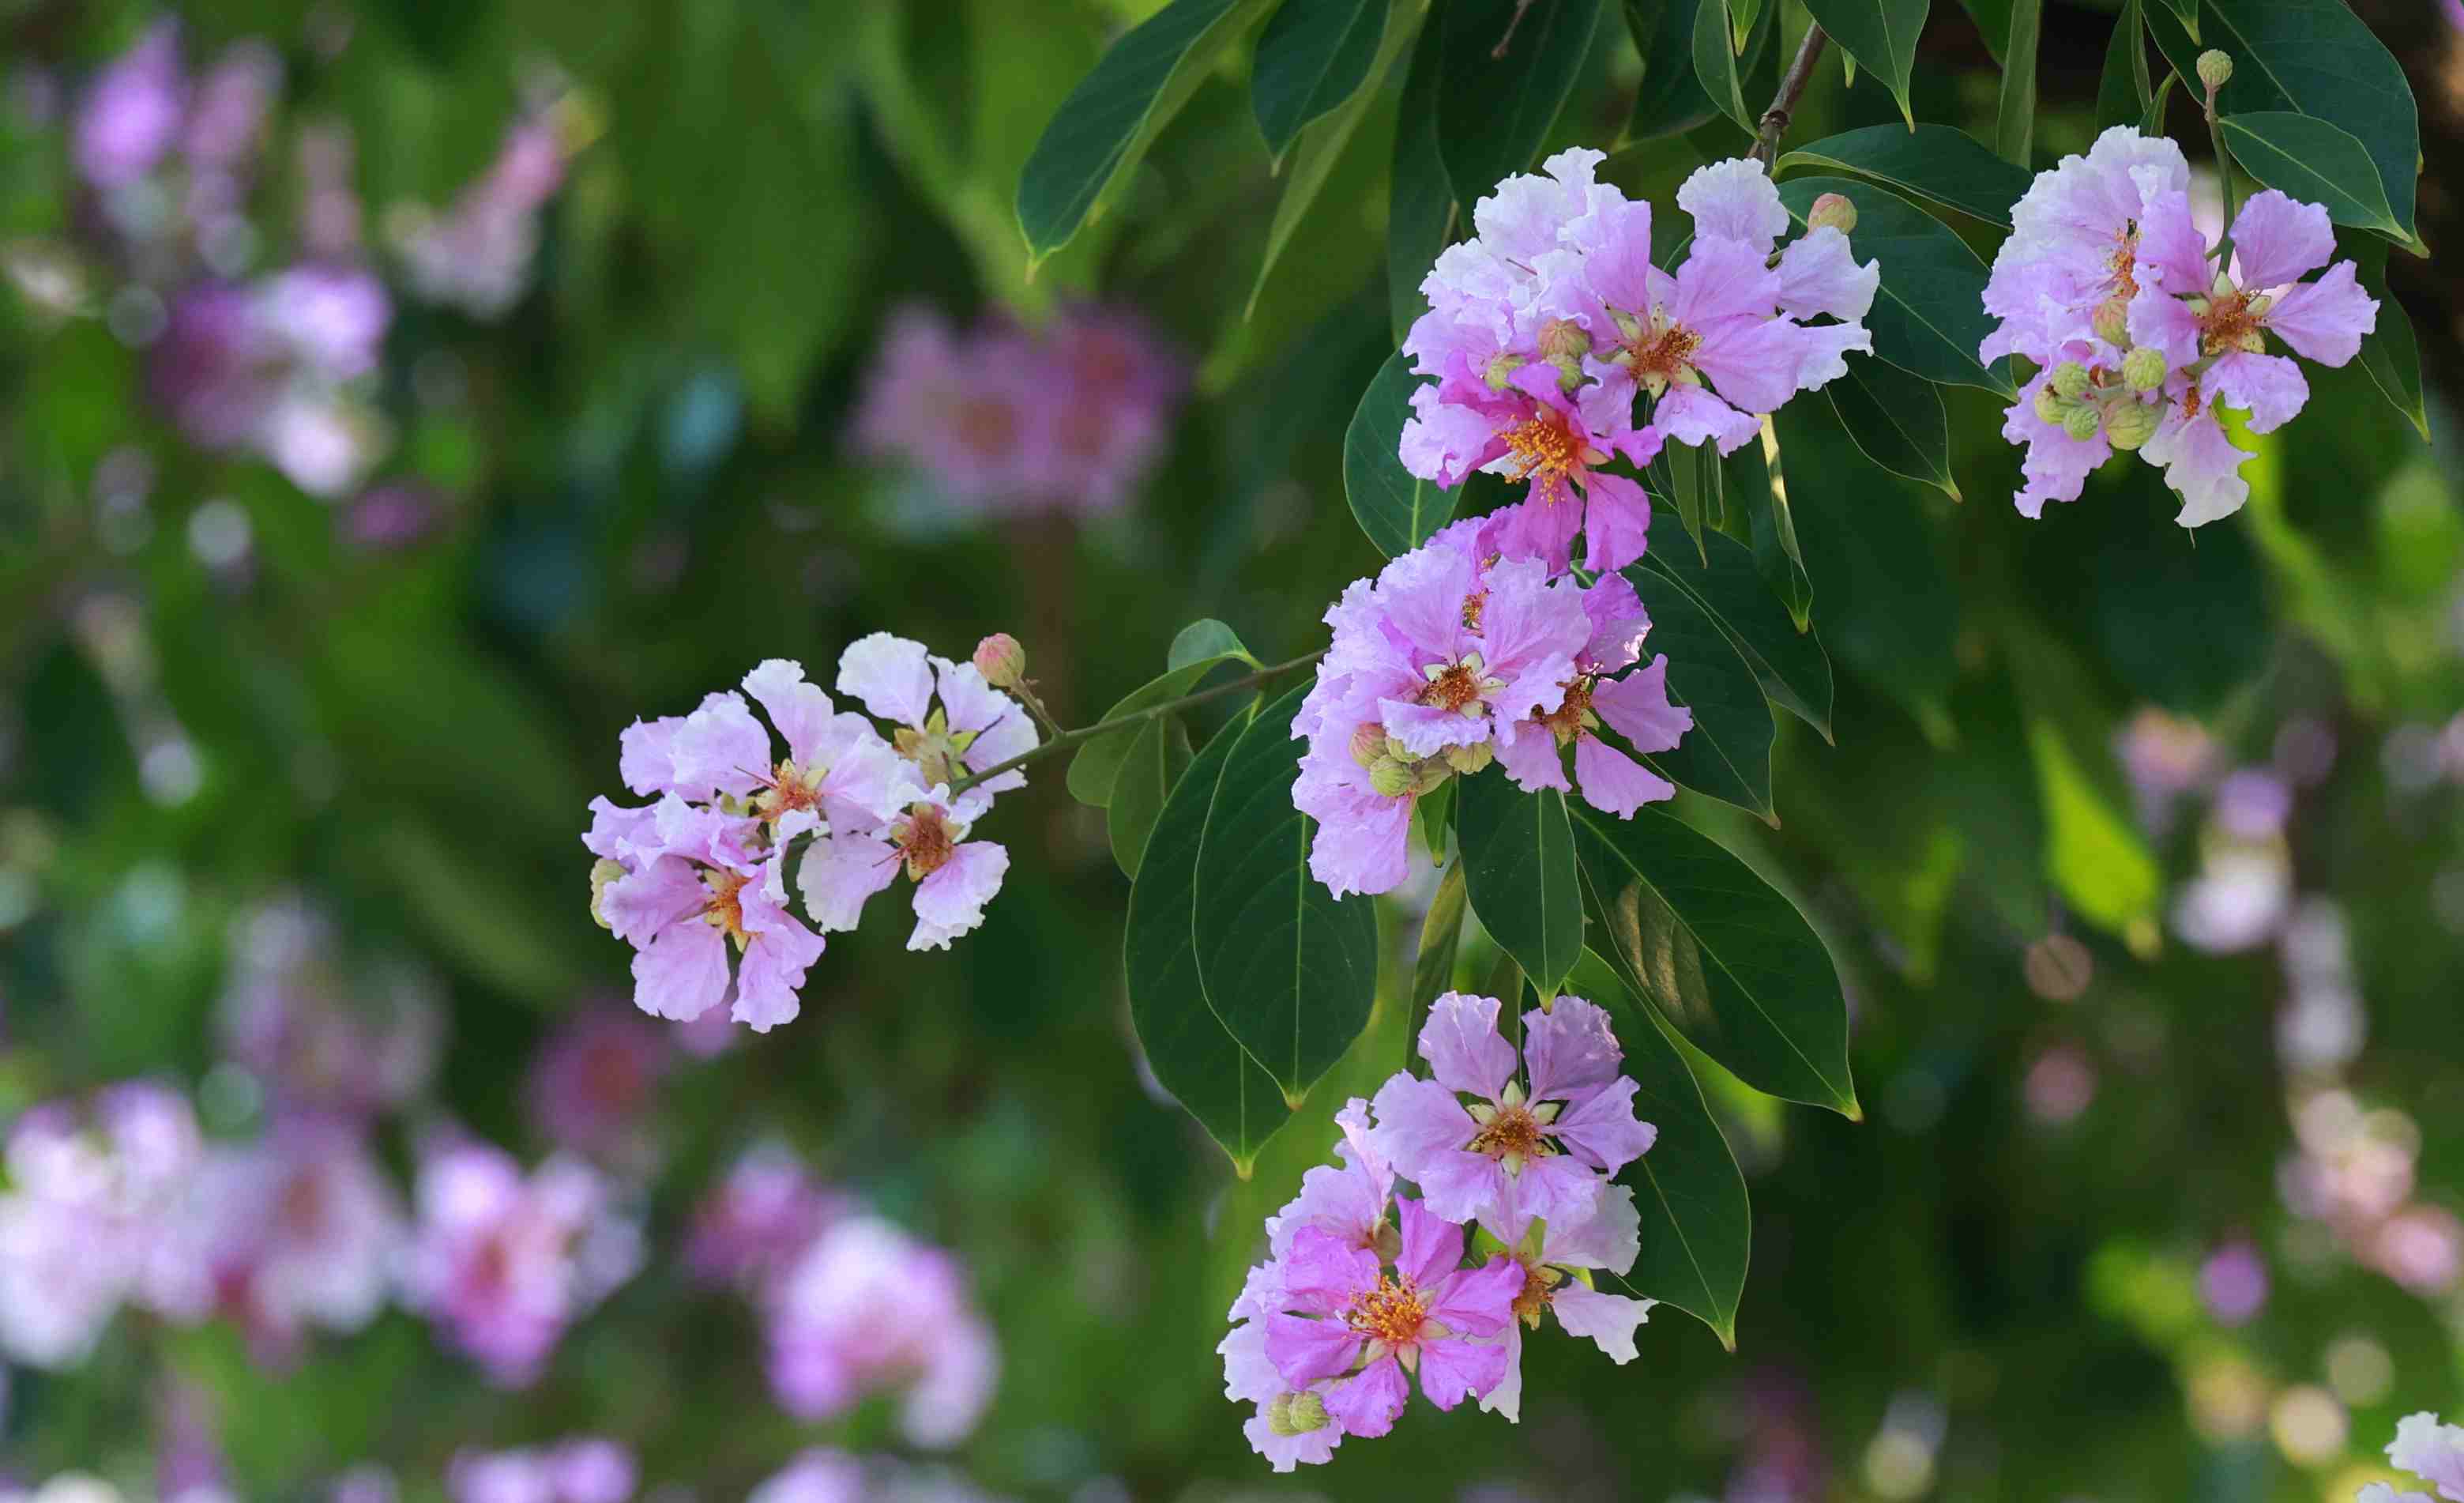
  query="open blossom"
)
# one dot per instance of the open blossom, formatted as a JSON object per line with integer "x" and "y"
{"x": 2430, "y": 1450}
{"x": 476, "y": 255}
{"x": 766, "y": 1211}
{"x": 867, "y": 1309}
{"x": 1546, "y": 1143}
{"x": 595, "y": 1080}
{"x": 1634, "y": 704}
{"x": 1546, "y": 330}
{"x": 503, "y": 1261}
{"x": 587, "y": 1468}
{"x": 130, "y": 116}
{"x": 1558, "y": 1257}
{"x": 321, "y": 1037}
{"x": 298, "y": 1231}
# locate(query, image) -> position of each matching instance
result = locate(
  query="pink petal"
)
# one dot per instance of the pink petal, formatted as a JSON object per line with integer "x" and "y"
{"x": 1610, "y": 1237}
{"x": 1368, "y": 1403}
{"x": 1610, "y": 1320}
{"x": 1735, "y": 200}
{"x": 1602, "y": 1130}
{"x": 2277, "y": 240}
{"x": 1570, "y": 1050}
{"x": 781, "y": 950}
{"x": 639, "y": 905}
{"x": 1819, "y": 275}
{"x": 1453, "y": 1370}
{"x": 1615, "y": 782}
{"x": 2200, "y": 464}
{"x": 1693, "y": 415}
{"x": 951, "y": 901}
{"x": 1723, "y": 279}
{"x": 1616, "y": 523}
{"x": 1637, "y": 708}
{"x": 1464, "y": 1050}
{"x": 2269, "y": 387}
{"x": 2326, "y": 319}
{"x": 682, "y": 972}
{"x": 720, "y": 747}
{"x": 1305, "y": 1350}
{"x": 1432, "y": 1246}
{"x": 2172, "y": 256}
{"x": 1530, "y": 759}
{"x": 890, "y": 675}
{"x": 799, "y": 710}
{"x": 839, "y": 873}
{"x": 1478, "y": 1301}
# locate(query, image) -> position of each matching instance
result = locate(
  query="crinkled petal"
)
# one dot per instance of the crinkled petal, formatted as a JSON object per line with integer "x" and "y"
{"x": 2200, "y": 465}
{"x": 1250, "y": 1375}
{"x": 1444, "y": 441}
{"x": 951, "y": 901}
{"x": 1734, "y": 200}
{"x": 1283, "y": 1453}
{"x": 1616, "y": 523}
{"x": 1610, "y": 1237}
{"x": 2432, "y": 1452}
{"x": 775, "y": 962}
{"x": 1637, "y": 708}
{"x": 1610, "y": 1320}
{"x": 839, "y": 873}
{"x": 1530, "y": 759}
{"x": 1602, "y": 1130}
{"x": 1818, "y": 273}
{"x": 1453, "y": 1370}
{"x": 1306, "y": 1350}
{"x": 1432, "y": 1246}
{"x": 2326, "y": 320}
{"x": 641, "y": 903}
{"x": 801, "y": 711}
{"x": 1464, "y": 1050}
{"x": 890, "y": 675}
{"x": 1428, "y": 729}
{"x": 2270, "y": 387}
{"x": 1693, "y": 415}
{"x": 1506, "y": 1397}
{"x": 1476, "y": 1301}
{"x": 1367, "y": 1404}
{"x": 2172, "y": 256}
{"x": 1570, "y": 1050}
{"x": 2277, "y": 240}
{"x": 682, "y": 972}
{"x": 2165, "y": 323}
{"x": 1615, "y": 782}
{"x": 721, "y": 748}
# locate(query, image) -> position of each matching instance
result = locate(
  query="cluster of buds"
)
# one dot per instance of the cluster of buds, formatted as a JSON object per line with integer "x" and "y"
{"x": 2082, "y": 400}
{"x": 1395, "y": 772}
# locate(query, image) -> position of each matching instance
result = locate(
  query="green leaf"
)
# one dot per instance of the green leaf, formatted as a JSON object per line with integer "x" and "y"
{"x": 1432, "y": 814}
{"x": 2187, "y": 12}
{"x": 1493, "y": 112}
{"x": 1881, "y": 35}
{"x": 1928, "y": 315}
{"x": 2093, "y": 855}
{"x": 1771, "y": 529}
{"x": 1290, "y": 970}
{"x": 2390, "y": 352}
{"x": 1670, "y": 98}
{"x": 1715, "y": 65}
{"x": 1395, "y": 508}
{"x": 1741, "y": 14}
{"x": 1896, "y": 420}
{"x": 1116, "y": 111}
{"x": 1193, "y": 1056}
{"x": 1200, "y": 646}
{"x": 2313, "y": 162}
{"x": 1935, "y": 162}
{"x": 2152, "y": 123}
{"x": 2123, "y": 92}
{"x": 2313, "y": 57}
{"x": 1518, "y": 857}
{"x": 1728, "y": 961}
{"x": 1728, "y": 753}
{"x": 1158, "y": 751}
{"x": 1324, "y": 142}
{"x": 1726, "y": 588}
{"x": 2016, "y": 124}
{"x": 1992, "y": 19}
{"x": 1433, "y": 963}
{"x": 1688, "y": 477}
{"x": 1420, "y": 208}
{"x": 1697, "y": 1221}
{"x": 1314, "y": 55}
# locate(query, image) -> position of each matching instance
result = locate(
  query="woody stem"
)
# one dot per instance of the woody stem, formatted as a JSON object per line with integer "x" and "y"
{"x": 1791, "y": 88}
{"x": 1139, "y": 717}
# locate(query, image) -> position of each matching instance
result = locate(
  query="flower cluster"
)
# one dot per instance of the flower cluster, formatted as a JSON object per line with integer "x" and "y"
{"x": 2142, "y": 327}
{"x": 697, "y": 881}
{"x": 476, "y": 255}
{"x": 852, "y": 1305}
{"x": 2430, "y": 1450}
{"x": 1455, "y": 657}
{"x": 1009, "y": 421}
{"x": 1349, "y": 1303}
{"x": 586, "y": 1469}
{"x": 1548, "y": 328}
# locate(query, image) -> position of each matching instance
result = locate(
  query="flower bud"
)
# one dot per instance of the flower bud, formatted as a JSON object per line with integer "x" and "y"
{"x": 2070, "y": 381}
{"x": 1468, "y": 759}
{"x": 2080, "y": 422}
{"x": 2144, "y": 368}
{"x": 1563, "y": 340}
{"x": 1832, "y": 212}
{"x": 1500, "y": 374}
{"x": 2048, "y": 408}
{"x": 1369, "y": 745}
{"x": 1002, "y": 660}
{"x": 2112, "y": 321}
{"x": 2131, "y": 424}
{"x": 1391, "y": 779}
{"x": 2215, "y": 69}
{"x": 1296, "y": 1414}
{"x": 602, "y": 873}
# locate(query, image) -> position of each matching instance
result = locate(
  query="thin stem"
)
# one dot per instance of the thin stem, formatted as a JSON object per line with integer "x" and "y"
{"x": 2225, "y": 180}
{"x": 1087, "y": 733}
{"x": 1791, "y": 88}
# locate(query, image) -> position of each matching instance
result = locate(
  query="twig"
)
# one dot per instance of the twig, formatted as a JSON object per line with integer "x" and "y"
{"x": 1791, "y": 88}
{"x": 1497, "y": 52}
{"x": 1087, "y": 733}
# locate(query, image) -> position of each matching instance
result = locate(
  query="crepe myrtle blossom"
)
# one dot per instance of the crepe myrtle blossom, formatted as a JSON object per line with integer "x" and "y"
{"x": 595, "y": 1080}
{"x": 502, "y": 1262}
{"x": 766, "y": 1211}
{"x": 1560, "y": 1259}
{"x": 1437, "y": 665}
{"x": 587, "y": 1468}
{"x": 951, "y": 725}
{"x": 698, "y": 879}
{"x": 868, "y": 1309}
{"x": 1634, "y": 704}
{"x": 2430, "y": 1450}
{"x": 298, "y": 1231}
{"x": 1546, "y": 1143}
{"x": 325, "y": 1036}
{"x": 1544, "y": 330}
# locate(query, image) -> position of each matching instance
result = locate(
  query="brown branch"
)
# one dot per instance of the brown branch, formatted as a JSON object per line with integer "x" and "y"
{"x": 1791, "y": 88}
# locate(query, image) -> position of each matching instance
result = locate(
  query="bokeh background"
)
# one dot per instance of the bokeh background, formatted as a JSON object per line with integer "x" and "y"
{"x": 396, "y": 399}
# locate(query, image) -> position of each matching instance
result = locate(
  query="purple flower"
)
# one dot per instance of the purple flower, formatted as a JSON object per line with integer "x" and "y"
{"x": 766, "y": 1211}
{"x": 503, "y": 1261}
{"x": 1557, "y": 1256}
{"x": 300, "y": 1229}
{"x": 1543, "y": 1145}
{"x": 2074, "y": 245}
{"x": 2430, "y": 1450}
{"x": 1633, "y": 704}
{"x": 595, "y": 1080}
{"x": 323, "y": 1039}
{"x": 1349, "y": 1324}
{"x": 476, "y": 255}
{"x": 131, "y": 116}
{"x": 587, "y": 1469}
{"x": 2232, "y": 1283}
{"x": 868, "y": 1309}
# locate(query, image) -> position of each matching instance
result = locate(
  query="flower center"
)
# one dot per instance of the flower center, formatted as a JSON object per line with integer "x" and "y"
{"x": 926, "y": 840}
{"x": 1392, "y": 1313}
{"x": 1540, "y": 1283}
{"x": 2230, "y": 323}
{"x": 1661, "y": 354}
{"x": 2190, "y": 400}
{"x": 1512, "y": 1131}
{"x": 1458, "y": 686}
{"x": 791, "y": 788}
{"x": 937, "y": 752}
{"x": 2124, "y": 264}
{"x": 1544, "y": 446}
{"x": 1474, "y": 606}
{"x": 726, "y": 909}
{"x": 1573, "y": 718}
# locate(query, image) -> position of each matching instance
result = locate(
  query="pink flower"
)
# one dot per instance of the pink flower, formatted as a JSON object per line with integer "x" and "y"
{"x": 323, "y": 1039}
{"x": 1532, "y": 432}
{"x": 1635, "y": 705}
{"x": 2432, "y": 1452}
{"x": 130, "y": 118}
{"x": 1556, "y": 1258}
{"x": 1348, "y": 1323}
{"x": 2073, "y": 244}
{"x": 595, "y": 1080}
{"x": 762, "y": 1215}
{"x": 298, "y": 1231}
{"x": 504, "y": 1262}
{"x": 1543, "y": 1145}
{"x": 476, "y": 255}
{"x": 868, "y": 1309}
{"x": 587, "y": 1469}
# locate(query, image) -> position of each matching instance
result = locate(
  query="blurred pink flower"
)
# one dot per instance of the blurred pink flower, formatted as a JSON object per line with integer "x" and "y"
{"x": 596, "y": 1079}
{"x": 868, "y": 1309}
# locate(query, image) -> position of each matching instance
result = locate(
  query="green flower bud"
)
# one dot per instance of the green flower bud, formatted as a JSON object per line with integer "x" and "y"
{"x": 2070, "y": 380}
{"x": 1563, "y": 341}
{"x": 602, "y": 873}
{"x": 1832, "y": 212}
{"x": 1391, "y": 779}
{"x": 2112, "y": 321}
{"x": 1500, "y": 374}
{"x": 2215, "y": 69}
{"x": 2049, "y": 407}
{"x": 2144, "y": 368}
{"x": 1468, "y": 759}
{"x": 2131, "y": 424}
{"x": 2080, "y": 422}
{"x": 1296, "y": 1414}
{"x": 1369, "y": 745}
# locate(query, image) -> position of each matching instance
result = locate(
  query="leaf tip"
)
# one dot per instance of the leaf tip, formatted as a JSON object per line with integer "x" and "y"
{"x": 1727, "y": 1331}
{"x": 1852, "y": 1108}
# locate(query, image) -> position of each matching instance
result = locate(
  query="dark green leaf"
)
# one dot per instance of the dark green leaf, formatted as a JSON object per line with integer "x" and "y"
{"x": 1728, "y": 588}
{"x": 1395, "y": 508}
{"x": 1312, "y": 57}
{"x": 1433, "y": 963}
{"x": 1896, "y": 420}
{"x": 1200, "y": 646}
{"x": 1290, "y": 970}
{"x": 1421, "y": 211}
{"x": 1670, "y": 98}
{"x": 2123, "y": 92}
{"x": 1935, "y": 162}
{"x": 1928, "y": 318}
{"x": 2313, "y": 162}
{"x": 2313, "y": 57}
{"x": 1432, "y": 814}
{"x": 1697, "y": 1223}
{"x": 1209, "y": 641}
{"x": 2186, "y": 13}
{"x": 1688, "y": 476}
{"x": 1728, "y": 753}
{"x": 1192, "y": 1055}
{"x": 1725, "y": 958}
{"x": 1759, "y": 496}
{"x": 1715, "y": 65}
{"x": 1881, "y": 35}
{"x": 2015, "y": 124}
{"x": 1494, "y": 112}
{"x": 1518, "y": 857}
{"x": 1992, "y": 19}
{"x": 1158, "y": 752}
{"x": 1323, "y": 144}
{"x": 1117, "y": 110}
{"x": 2390, "y": 353}
{"x": 2152, "y": 123}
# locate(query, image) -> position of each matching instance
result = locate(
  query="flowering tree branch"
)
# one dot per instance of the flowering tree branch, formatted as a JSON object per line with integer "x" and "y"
{"x": 1067, "y": 740}
{"x": 1792, "y": 87}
